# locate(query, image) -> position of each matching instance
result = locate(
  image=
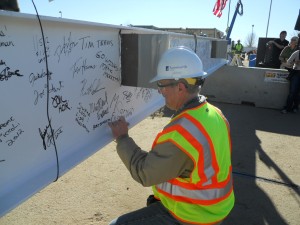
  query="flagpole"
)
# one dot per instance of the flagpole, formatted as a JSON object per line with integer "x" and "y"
{"x": 228, "y": 14}
{"x": 269, "y": 19}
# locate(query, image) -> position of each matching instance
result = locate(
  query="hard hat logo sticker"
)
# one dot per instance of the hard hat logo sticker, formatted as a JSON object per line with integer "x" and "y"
{"x": 172, "y": 68}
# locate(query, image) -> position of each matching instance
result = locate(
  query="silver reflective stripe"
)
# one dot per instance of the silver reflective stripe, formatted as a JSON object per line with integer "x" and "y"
{"x": 197, "y": 134}
{"x": 207, "y": 194}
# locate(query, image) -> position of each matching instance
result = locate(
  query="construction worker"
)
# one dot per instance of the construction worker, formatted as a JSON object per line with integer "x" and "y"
{"x": 189, "y": 165}
{"x": 237, "y": 58}
{"x": 238, "y": 47}
{"x": 273, "y": 50}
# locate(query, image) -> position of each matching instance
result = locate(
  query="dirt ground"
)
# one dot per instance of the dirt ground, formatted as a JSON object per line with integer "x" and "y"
{"x": 266, "y": 147}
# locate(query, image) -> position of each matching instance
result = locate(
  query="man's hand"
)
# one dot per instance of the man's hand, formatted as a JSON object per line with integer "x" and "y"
{"x": 119, "y": 127}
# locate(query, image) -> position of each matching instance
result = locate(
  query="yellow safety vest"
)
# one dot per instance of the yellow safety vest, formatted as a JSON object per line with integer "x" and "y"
{"x": 238, "y": 47}
{"x": 207, "y": 196}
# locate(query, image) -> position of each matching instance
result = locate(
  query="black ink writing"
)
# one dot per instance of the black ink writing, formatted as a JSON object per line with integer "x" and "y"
{"x": 54, "y": 89}
{"x": 108, "y": 66}
{"x": 58, "y": 102}
{"x": 100, "y": 124}
{"x": 43, "y": 135}
{"x": 66, "y": 47}
{"x": 2, "y": 32}
{"x": 85, "y": 43}
{"x": 6, "y": 73}
{"x": 119, "y": 109}
{"x": 38, "y": 95}
{"x": 100, "y": 107}
{"x": 82, "y": 67}
{"x": 50, "y": 139}
{"x": 6, "y": 44}
{"x": 127, "y": 96}
{"x": 145, "y": 94}
{"x": 111, "y": 77}
{"x": 90, "y": 89}
{"x": 11, "y": 141}
{"x": 3, "y": 125}
{"x": 34, "y": 77}
{"x": 38, "y": 45}
{"x": 82, "y": 117}
{"x": 105, "y": 43}
{"x": 10, "y": 131}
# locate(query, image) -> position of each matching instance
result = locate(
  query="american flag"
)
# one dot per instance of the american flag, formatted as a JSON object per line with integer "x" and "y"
{"x": 219, "y": 6}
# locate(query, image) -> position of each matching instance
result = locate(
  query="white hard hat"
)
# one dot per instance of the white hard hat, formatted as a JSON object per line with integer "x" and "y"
{"x": 179, "y": 62}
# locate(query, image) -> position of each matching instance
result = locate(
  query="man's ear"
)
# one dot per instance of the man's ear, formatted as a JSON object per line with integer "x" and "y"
{"x": 181, "y": 86}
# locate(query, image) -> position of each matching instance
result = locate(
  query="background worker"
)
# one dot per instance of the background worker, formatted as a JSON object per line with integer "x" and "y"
{"x": 287, "y": 52}
{"x": 277, "y": 45}
{"x": 292, "y": 101}
{"x": 238, "y": 47}
{"x": 237, "y": 58}
{"x": 189, "y": 165}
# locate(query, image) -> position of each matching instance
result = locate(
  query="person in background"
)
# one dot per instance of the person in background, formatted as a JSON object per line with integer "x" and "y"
{"x": 298, "y": 41}
{"x": 287, "y": 52}
{"x": 237, "y": 57}
{"x": 9, "y": 5}
{"x": 292, "y": 101}
{"x": 189, "y": 165}
{"x": 238, "y": 47}
{"x": 278, "y": 46}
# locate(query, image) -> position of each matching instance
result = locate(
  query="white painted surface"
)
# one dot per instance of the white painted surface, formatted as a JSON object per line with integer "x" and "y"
{"x": 84, "y": 95}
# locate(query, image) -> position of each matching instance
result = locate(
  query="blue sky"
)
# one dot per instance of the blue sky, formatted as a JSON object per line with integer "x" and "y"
{"x": 175, "y": 13}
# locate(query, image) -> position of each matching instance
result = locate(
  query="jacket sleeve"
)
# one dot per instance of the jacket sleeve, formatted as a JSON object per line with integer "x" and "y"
{"x": 164, "y": 162}
{"x": 283, "y": 54}
{"x": 295, "y": 60}
{"x": 293, "y": 57}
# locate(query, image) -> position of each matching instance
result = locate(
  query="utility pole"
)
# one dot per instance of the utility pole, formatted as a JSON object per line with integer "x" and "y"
{"x": 269, "y": 19}
{"x": 252, "y": 36}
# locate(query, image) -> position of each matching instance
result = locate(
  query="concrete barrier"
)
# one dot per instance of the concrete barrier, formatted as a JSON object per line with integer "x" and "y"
{"x": 260, "y": 87}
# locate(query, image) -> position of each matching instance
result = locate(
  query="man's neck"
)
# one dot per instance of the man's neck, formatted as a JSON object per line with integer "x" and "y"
{"x": 190, "y": 100}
